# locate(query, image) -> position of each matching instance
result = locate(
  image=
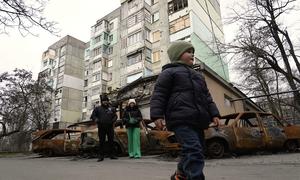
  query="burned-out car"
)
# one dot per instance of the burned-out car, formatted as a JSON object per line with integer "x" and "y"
{"x": 152, "y": 141}
{"x": 57, "y": 142}
{"x": 249, "y": 131}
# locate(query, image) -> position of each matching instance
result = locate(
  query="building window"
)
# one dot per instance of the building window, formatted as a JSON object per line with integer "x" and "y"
{"x": 133, "y": 59}
{"x": 60, "y": 69}
{"x": 227, "y": 101}
{"x": 86, "y": 72}
{"x": 98, "y": 27}
{"x": 177, "y": 5}
{"x": 97, "y": 51}
{"x": 156, "y": 36}
{"x": 60, "y": 80}
{"x": 109, "y": 63}
{"x": 148, "y": 54}
{"x": 85, "y": 83}
{"x": 97, "y": 39}
{"x": 147, "y": 34}
{"x": 87, "y": 53}
{"x": 97, "y": 64}
{"x": 111, "y": 38}
{"x": 45, "y": 63}
{"x": 147, "y": 16}
{"x": 105, "y": 36}
{"x": 103, "y": 88}
{"x": 62, "y": 60}
{"x": 62, "y": 51}
{"x": 179, "y": 24}
{"x": 96, "y": 77}
{"x": 50, "y": 61}
{"x": 156, "y": 56}
{"x": 148, "y": 72}
{"x": 111, "y": 26}
{"x": 132, "y": 4}
{"x": 106, "y": 76}
{"x": 134, "y": 19}
{"x": 155, "y": 17}
{"x": 134, "y": 38}
{"x": 95, "y": 91}
{"x": 110, "y": 50}
{"x": 58, "y": 102}
{"x": 134, "y": 77}
{"x": 148, "y": 2}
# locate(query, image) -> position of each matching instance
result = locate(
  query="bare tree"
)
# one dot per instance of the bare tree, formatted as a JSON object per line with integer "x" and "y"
{"x": 262, "y": 41}
{"x": 24, "y": 15}
{"x": 24, "y": 105}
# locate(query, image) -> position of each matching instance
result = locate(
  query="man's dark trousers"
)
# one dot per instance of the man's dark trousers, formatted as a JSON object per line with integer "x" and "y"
{"x": 192, "y": 153}
{"x": 103, "y": 131}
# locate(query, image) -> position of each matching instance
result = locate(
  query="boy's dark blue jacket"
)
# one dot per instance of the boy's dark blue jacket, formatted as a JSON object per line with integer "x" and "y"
{"x": 181, "y": 97}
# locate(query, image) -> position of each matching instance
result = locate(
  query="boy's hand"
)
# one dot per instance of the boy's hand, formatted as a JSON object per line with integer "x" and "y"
{"x": 159, "y": 124}
{"x": 216, "y": 121}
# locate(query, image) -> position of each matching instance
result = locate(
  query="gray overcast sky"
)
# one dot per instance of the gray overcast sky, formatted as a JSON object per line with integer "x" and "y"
{"x": 75, "y": 17}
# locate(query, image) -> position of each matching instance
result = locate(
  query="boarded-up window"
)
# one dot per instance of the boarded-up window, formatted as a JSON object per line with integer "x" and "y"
{"x": 156, "y": 36}
{"x": 179, "y": 24}
{"x": 156, "y": 56}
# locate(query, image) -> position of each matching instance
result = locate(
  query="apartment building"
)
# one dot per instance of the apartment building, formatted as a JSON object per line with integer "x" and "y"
{"x": 63, "y": 64}
{"x": 132, "y": 41}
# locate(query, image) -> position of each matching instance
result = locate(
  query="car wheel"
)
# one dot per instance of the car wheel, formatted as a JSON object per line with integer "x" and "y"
{"x": 216, "y": 149}
{"x": 291, "y": 145}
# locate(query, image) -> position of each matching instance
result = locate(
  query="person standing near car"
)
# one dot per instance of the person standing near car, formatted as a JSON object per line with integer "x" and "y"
{"x": 132, "y": 117}
{"x": 105, "y": 117}
{"x": 181, "y": 98}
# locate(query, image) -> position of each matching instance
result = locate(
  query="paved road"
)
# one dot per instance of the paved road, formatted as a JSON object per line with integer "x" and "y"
{"x": 262, "y": 167}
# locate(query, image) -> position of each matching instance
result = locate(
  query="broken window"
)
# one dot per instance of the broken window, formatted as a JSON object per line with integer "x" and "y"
{"x": 177, "y": 5}
{"x": 133, "y": 59}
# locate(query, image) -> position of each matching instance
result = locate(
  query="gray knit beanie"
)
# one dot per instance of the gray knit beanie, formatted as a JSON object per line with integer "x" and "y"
{"x": 177, "y": 48}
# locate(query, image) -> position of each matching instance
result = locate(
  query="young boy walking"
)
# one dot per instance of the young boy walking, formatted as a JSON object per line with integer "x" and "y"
{"x": 181, "y": 98}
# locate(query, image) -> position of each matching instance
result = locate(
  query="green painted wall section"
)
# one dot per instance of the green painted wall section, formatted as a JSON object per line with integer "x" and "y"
{"x": 115, "y": 37}
{"x": 205, "y": 55}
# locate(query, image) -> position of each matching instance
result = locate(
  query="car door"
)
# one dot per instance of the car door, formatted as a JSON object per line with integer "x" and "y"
{"x": 248, "y": 132}
{"x": 274, "y": 131}
{"x": 71, "y": 142}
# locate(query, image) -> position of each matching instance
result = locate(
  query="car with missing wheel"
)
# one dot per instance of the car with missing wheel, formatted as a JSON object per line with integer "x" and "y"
{"x": 152, "y": 141}
{"x": 251, "y": 131}
{"x": 56, "y": 142}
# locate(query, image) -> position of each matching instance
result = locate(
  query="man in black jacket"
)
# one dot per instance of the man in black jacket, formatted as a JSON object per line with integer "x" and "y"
{"x": 181, "y": 98}
{"x": 105, "y": 116}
